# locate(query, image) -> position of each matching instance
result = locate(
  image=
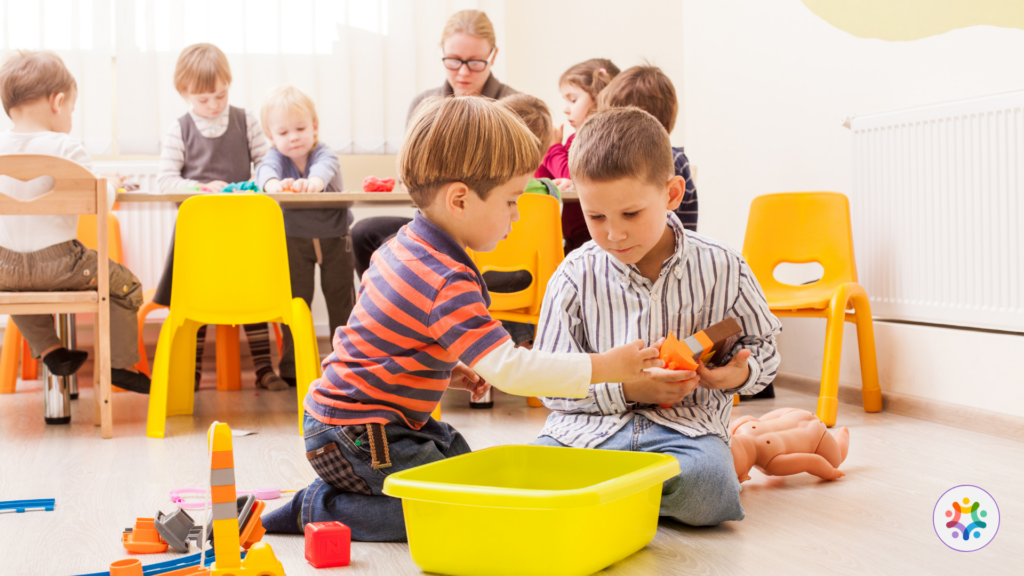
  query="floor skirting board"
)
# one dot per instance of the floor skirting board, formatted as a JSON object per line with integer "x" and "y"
{"x": 968, "y": 418}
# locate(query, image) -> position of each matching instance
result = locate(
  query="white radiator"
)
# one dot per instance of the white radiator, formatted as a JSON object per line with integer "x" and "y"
{"x": 146, "y": 227}
{"x": 938, "y": 212}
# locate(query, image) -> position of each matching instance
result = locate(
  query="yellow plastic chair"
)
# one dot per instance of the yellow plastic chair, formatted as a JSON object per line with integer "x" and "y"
{"x": 805, "y": 227}
{"x": 535, "y": 245}
{"x": 231, "y": 268}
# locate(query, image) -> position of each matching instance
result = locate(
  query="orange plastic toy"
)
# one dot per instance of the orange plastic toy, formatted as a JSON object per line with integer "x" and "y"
{"x": 787, "y": 441}
{"x": 705, "y": 346}
{"x": 143, "y": 538}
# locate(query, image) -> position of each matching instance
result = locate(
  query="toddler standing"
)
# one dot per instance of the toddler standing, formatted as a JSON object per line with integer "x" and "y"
{"x": 213, "y": 145}
{"x": 298, "y": 162}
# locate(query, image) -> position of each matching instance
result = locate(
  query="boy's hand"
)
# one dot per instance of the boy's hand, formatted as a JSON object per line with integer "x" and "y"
{"x": 623, "y": 363}
{"x": 272, "y": 186}
{"x": 732, "y": 375}
{"x": 463, "y": 378}
{"x": 300, "y": 186}
{"x": 216, "y": 185}
{"x": 563, "y": 184}
{"x": 661, "y": 386}
{"x": 315, "y": 185}
{"x": 287, "y": 184}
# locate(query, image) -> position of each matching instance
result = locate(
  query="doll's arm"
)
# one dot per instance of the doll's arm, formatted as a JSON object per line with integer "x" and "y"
{"x": 789, "y": 464}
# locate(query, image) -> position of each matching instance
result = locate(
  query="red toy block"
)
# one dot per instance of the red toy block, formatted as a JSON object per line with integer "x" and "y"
{"x": 328, "y": 544}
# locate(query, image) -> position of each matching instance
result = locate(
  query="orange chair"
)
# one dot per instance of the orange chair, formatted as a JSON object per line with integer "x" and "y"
{"x": 12, "y": 337}
{"x": 815, "y": 227}
{"x": 535, "y": 245}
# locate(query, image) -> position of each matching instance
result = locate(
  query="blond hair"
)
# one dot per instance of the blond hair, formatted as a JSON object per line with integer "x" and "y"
{"x": 198, "y": 69}
{"x": 590, "y": 76}
{"x": 472, "y": 22}
{"x": 288, "y": 99}
{"x": 535, "y": 114}
{"x": 645, "y": 87}
{"x": 622, "y": 143}
{"x": 28, "y": 75}
{"x": 465, "y": 139}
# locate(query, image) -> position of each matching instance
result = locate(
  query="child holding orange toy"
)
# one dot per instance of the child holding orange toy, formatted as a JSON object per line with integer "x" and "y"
{"x": 421, "y": 326}
{"x": 298, "y": 162}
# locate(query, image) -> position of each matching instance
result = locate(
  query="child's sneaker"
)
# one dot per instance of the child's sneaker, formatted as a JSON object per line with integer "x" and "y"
{"x": 270, "y": 381}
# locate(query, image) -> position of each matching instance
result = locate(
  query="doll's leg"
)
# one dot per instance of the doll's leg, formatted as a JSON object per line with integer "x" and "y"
{"x": 834, "y": 448}
{"x": 789, "y": 464}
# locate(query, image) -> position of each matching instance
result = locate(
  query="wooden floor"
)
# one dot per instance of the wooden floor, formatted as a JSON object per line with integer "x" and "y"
{"x": 876, "y": 520}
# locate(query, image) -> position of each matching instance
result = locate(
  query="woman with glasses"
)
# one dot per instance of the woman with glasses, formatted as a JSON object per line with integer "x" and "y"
{"x": 468, "y": 52}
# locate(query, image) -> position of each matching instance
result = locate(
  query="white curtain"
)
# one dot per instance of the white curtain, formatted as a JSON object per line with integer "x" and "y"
{"x": 80, "y": 32}
{"x": 362, "y": 61}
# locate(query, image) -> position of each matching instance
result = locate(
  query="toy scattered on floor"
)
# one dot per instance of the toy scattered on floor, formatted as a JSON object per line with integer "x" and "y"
{"x": 175, "y": 528}
{"x": 374, "y": 184}
{"x": 707, "y": 346}
{"x": 328, "y": 544}
{"x": 27, "y": 505}
{"x": 785, "y": 442}
{"x": 227, "y": 542}
{"x": 143, "y": 538}
{"x": 178, "y": 529}
{"x": 247, "y": 186}
{"x": 183, "y": 566}
{"x": 192, "y": 498}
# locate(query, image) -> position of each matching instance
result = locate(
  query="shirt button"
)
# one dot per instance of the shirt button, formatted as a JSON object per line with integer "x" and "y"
{"x": 86, "y": 272}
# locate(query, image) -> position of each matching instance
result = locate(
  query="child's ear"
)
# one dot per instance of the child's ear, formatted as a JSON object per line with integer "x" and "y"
{"x": 454, "y": 197}
{"x": 676, "y": 189}
{"x": 56, "y": 102}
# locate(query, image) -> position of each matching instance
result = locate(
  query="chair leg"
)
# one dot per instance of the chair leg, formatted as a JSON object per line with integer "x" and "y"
{"x": 229, "y": 359}
{"x": 828, "y": 397}
{"x": 436, "y": 414}
{"x": 101, "y": 375}
{"x": 172, "y": 391}
{"x": 870, "y": 391}
{"x": 307, "y": 355}
{"x": 29, "y": 365}
{"x": 147, "y": 306}
{"x": 10, "y": 356}
{"x": 278, "y": 337}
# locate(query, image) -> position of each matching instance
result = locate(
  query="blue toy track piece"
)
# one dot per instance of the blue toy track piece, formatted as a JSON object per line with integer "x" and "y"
{"x": 170, "y": 565}
{"x": 25, "y": 505}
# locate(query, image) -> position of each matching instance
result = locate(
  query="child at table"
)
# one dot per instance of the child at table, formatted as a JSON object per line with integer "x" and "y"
{"x": 421, "y": 325}
{"x": 579, "y": 85}
{"x": 298, "y": 162}
{"x": 42, "y": 253}
{"x": 212, "y": 145}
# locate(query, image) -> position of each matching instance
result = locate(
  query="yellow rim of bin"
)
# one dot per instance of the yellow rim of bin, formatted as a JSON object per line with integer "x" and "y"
{"x": 661, "y": 468}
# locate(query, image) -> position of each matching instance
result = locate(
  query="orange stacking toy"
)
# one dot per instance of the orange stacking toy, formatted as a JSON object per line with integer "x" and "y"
{"x": 143, "y": 538}
{"x": 701, "y": 347}
{"x": 127, "y": 567}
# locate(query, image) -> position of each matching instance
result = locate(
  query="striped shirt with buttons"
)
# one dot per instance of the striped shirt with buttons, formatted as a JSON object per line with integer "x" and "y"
{"x": 594, "y": 303}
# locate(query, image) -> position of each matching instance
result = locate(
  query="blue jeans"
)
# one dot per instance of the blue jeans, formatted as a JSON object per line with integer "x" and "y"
{"x": 353, "y": 494}
{"x": 705, "y": 493}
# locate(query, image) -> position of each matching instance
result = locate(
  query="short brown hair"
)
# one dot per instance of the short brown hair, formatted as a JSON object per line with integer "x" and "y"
{"x": 29, "y": 75}
{"x": 590, "y": 76}
{"x": 465, "y": 139}
{"x": 472, "y": 22}
{"x": 198, "y": 69}
{"x": 621, "y": 143}
{"x": 535, "y": 114}
{"x": 647, "y": 88}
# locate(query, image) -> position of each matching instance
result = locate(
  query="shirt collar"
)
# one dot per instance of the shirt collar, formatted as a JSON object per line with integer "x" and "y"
{"x": 200, "y": 121}
{"x": 442, "y": 242}
{"x": 673, "y": 262}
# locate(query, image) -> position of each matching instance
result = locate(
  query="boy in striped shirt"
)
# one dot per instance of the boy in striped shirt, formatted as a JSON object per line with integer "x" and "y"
{"x": 643, "y": 276}
{"x": 421, "y": 326}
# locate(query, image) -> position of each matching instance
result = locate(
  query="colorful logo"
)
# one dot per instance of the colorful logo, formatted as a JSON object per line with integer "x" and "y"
{"x": 966, "y": 518}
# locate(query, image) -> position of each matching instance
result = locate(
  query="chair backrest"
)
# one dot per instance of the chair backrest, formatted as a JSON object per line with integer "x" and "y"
{"x": 230, "y": 261}
{"x": 800, "y": 227}
{"x": 535, "y": 245}
{"x": 87, "y": 235}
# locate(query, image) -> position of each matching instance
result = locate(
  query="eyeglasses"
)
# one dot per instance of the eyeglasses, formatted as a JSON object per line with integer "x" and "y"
{"x": 473, "y": 65}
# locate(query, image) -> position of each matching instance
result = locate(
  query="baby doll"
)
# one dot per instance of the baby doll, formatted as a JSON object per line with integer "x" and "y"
{"x": 787, "y": 441}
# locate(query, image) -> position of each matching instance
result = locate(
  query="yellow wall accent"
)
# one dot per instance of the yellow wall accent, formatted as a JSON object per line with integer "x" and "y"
{"x": 897, "y": 20}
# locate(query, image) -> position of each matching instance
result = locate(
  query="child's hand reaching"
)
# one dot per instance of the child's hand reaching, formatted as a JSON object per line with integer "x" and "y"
{"x": 732, "y": 375}
{"x": 623, "y": 363}
{"x": 661, "y": 386}
{"x": 563, "y": 184}
{"x": 463, "y": 378}
{"x": 306, "y": 185}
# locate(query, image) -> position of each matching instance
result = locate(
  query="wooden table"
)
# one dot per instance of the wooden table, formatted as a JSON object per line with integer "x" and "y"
{"x": 301, "y": 201}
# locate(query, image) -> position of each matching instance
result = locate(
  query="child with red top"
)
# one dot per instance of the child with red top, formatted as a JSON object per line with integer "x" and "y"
{"x": 579, "y": 86}
{"x": 421, "y": 326}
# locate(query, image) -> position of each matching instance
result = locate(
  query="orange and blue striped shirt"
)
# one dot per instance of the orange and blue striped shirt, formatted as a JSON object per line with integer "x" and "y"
{"x": 422, "y": 308}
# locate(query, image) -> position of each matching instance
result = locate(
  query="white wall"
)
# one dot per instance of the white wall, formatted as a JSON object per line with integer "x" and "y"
{"x": 765, "y": 87}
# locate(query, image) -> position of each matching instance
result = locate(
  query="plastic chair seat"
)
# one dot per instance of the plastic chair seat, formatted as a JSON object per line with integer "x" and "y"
{"x": 816, "y": 299}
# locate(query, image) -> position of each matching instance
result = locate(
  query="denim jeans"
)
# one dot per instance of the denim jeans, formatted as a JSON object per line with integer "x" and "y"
{"x": 705, "y": 493}
{"x": 362, "y": 505}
